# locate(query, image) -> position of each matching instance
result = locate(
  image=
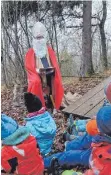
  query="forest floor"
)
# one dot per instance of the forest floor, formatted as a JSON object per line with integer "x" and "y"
{"x": 72, "y": 84}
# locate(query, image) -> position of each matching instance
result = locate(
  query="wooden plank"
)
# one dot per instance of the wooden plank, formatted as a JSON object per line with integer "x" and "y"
{"x": 87, "y": 96}
{"x": 94, "y": 111}
{"x": 90, "y": 104}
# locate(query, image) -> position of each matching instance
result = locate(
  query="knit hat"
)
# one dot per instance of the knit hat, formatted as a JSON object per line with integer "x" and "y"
{"x": 104, "y": 120}
{"x": 71, "y": 172}
{"x": 8, "y": 126}
{"x": 32, "y": 102}
{"x": 91, "y": 128}
{"x": 11, "y": 133}
{"x": 107, "y": 91}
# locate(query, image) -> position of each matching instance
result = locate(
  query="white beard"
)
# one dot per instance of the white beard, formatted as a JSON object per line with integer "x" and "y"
{"x": 40, "y": 47}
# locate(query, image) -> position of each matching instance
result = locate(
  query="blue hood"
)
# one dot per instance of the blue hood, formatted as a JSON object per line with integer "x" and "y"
{"x": 8, "y": 126}
{"x": 99, "y": 138}
{"x": 17, "y": 137}
{"x": 104, "y": 120}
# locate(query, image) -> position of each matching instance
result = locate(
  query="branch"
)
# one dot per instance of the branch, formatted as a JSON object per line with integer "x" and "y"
{"x": 80, "y": 16}
{"x": 74, "y": 26}
{"x": 44, "y": 15}
{"x": 81, "y": 26}
{"x": 73, "y": 15}
{"x": 12, "y": 43}
{"x": 8, "y": 56}
{"x": 104, "y": 13}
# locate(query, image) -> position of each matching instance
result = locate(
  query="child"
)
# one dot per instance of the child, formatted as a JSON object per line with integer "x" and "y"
{"x": 77, "y": 151}
{"x": 100, "y": 159}
{"x": 41, "y": 124}
{"x": 19, "y": 149}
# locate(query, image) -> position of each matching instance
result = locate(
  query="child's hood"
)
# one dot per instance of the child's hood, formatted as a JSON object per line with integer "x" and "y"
{"x": 42, "y": 125}
{"x": 17, "y": 137}
{"x": 100, "y": 138}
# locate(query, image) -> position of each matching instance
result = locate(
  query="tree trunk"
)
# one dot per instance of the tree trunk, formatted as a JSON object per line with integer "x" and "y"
{"x": 103, "y": 37}
{"x": 4, "y": 44}
{"x": 86, "y": 64}
{"x": 18, "y": 60}
{"x": 56, "y": 40}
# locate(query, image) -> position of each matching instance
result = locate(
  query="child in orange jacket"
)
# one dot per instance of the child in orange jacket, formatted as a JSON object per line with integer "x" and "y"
{"x": 19, "y": 152}
{"x": 100, "y": 159}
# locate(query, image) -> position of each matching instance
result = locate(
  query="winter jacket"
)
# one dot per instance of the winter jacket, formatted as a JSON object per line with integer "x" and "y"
{"x": 43, "y": 128}
{"x": 28, "y": 158}
{"x": 100, "y": 159}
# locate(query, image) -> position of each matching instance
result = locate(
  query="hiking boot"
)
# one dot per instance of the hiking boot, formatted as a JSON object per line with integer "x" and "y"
{"x": 55, "y": 167}
{"x": 68, "y": 137}
{"x": 70, "y": 124}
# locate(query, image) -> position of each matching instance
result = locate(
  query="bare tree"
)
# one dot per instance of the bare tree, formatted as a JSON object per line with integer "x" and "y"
{"x": 87, "y": 66}
{"x": 56, "y": 40}
{"x": 102, "y": 34}
{"x": 4, "y": 45}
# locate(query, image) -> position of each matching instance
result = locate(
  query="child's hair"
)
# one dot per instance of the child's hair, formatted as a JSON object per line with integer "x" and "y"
{"x": 32, "y": 102}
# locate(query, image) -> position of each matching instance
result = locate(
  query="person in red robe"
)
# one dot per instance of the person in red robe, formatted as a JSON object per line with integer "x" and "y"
{"x": 43, "y": 56}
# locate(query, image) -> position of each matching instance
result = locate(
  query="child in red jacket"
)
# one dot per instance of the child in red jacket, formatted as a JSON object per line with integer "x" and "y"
{"x": 19, "y": 149}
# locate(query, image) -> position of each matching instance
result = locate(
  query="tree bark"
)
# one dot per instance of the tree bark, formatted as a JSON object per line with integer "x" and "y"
{"x": 86, "y": 64}
{"x": 103, "y": 37}
{"x": 4, "y": 43}
{"x": 56, "y": 40}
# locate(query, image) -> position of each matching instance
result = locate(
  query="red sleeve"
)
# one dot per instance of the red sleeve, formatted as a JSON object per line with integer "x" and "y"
{"x": 5, "y": 156}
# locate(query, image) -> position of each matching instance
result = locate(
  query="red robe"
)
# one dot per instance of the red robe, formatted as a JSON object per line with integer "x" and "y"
{"x": 34, "y": 81}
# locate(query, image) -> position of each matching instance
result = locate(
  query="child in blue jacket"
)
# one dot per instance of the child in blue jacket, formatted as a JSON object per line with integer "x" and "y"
{"x": 41, "y": 124}
{"x": 77, "y": 152}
